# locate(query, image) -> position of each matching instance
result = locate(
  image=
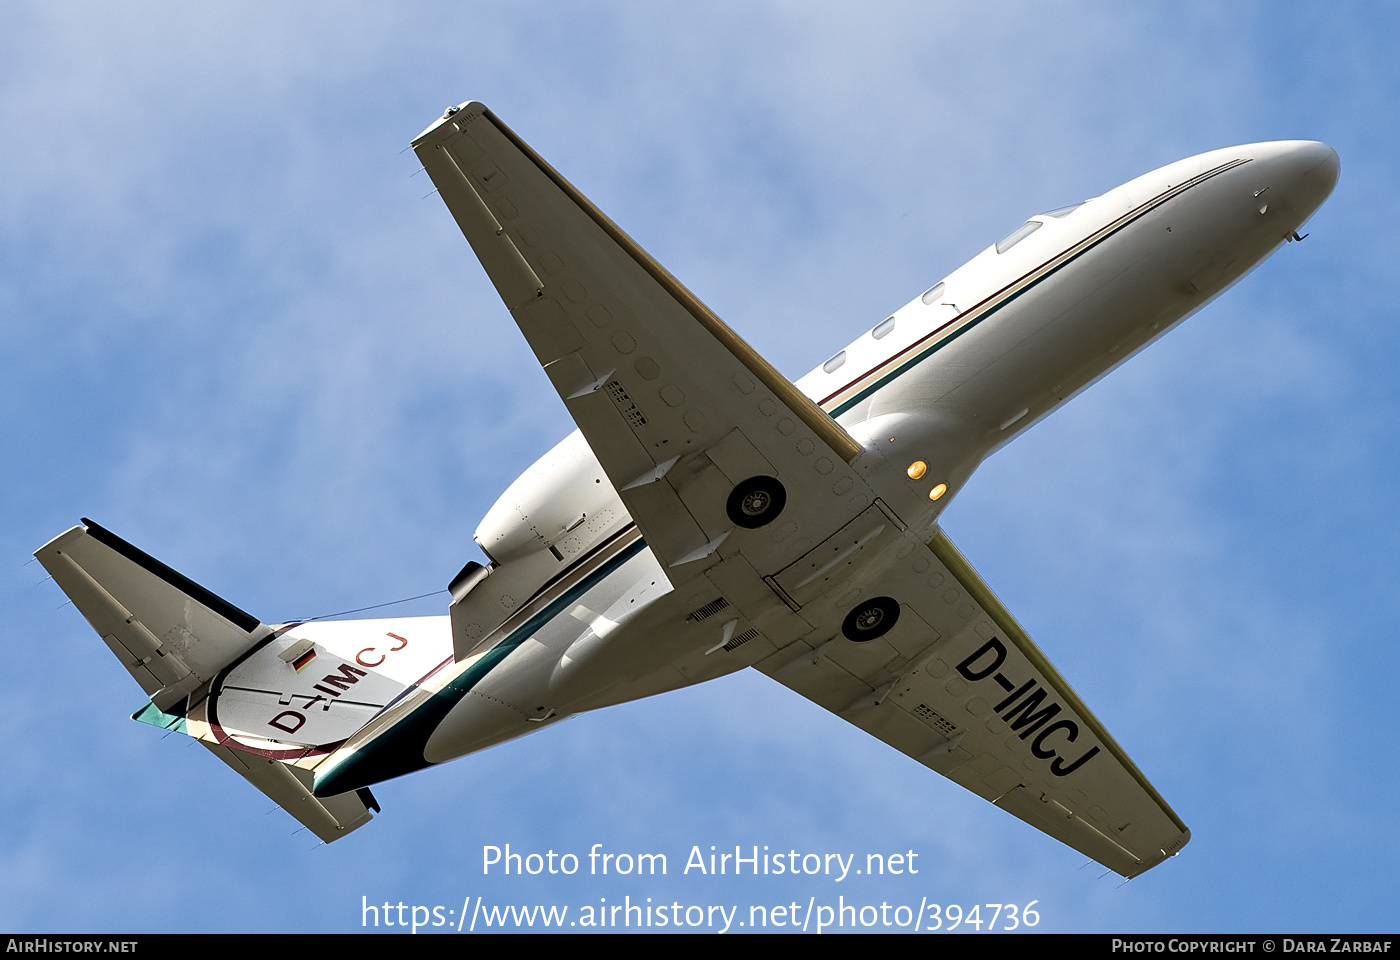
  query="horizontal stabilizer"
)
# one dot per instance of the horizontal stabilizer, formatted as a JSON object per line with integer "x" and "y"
{"x": 170, "y": 633}
{"x": 285, "y": 784}
{"x": 174, "y": 637}
{"x": 330, "y": 818}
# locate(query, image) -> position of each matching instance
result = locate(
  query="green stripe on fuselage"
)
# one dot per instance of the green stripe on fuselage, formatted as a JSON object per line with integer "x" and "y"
{"x": 399, "y": 749}
{"x": 937, "y": 345}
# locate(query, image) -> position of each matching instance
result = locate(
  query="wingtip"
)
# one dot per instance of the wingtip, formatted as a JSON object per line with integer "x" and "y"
{"x": 473, "y": 107}
{"x": 65, "y": 535}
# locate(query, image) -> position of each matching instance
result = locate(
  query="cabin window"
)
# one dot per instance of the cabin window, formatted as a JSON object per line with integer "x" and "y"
{"x": 1059, "y": 212}
{"x": 933, "y": 293}
{"x": 834, "y": 364}
{"x": 1021, "y": 233}
{"x": 883, "y": 327}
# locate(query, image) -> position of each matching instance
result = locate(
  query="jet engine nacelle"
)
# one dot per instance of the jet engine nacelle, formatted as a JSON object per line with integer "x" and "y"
{"x": 562, "y": 503}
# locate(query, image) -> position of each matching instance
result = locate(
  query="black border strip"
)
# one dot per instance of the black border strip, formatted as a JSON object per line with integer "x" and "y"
{"x": 240, "y": 618}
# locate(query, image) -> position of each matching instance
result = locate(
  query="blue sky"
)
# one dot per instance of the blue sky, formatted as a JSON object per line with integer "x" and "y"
{"x": 233, "y": 331}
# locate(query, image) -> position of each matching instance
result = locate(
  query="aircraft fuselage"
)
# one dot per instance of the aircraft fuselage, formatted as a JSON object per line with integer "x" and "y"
{"x": 587, "y": 615}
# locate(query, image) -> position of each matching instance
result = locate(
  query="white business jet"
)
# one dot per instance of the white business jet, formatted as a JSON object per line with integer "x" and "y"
{"x": 709, "y": 515}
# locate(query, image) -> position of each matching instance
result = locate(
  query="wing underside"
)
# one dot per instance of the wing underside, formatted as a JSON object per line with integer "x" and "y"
{"x": 677, "y": 407}
{"x": 960, "y": 687}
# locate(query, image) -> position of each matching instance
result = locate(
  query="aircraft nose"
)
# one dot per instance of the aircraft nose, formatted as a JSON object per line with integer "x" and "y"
{"x": 1304, "y": 171}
